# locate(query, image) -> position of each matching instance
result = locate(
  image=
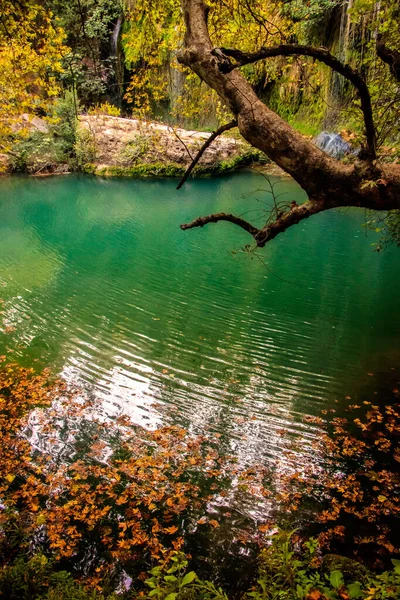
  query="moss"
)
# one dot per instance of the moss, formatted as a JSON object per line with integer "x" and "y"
{"x": 140, "y": 170}
{"x": 143, "y": 169}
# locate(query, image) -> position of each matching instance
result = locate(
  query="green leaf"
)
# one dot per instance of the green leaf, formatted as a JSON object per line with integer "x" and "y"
{"x": 172, "y": 569}
{"x": 355, "y": 590}
{"x": 336, "y": 579}
{"x": 154, "y": 593}
{"x": 396, "y": 564}
{"x": 189, "y": 577}
{"x": 170, "y": 578}
{"x": 171, "y": 596}
{"x": 262, "y": 585}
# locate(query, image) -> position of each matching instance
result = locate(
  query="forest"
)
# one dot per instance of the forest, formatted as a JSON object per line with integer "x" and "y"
{"x": 190, "y": 411}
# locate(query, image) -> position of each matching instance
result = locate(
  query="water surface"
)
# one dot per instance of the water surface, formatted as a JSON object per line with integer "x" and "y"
{"x": 98, "y": 282}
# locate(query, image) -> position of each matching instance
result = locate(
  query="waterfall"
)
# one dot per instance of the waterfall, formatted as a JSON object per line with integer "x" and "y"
{"x": 115, "y": 36}
{"x": 333, "y": 144}
{"x": 345, "y": 30}
{"x": 176, "y": 84}
{"x": 341, "y": 50}
{"x": 118, "y": 59}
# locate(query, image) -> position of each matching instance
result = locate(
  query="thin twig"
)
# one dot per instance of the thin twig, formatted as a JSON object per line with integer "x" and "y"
{"x": 204, "y": 147}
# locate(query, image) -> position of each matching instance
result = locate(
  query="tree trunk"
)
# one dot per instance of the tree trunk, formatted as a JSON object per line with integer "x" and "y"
{"x": 327, "y": 182}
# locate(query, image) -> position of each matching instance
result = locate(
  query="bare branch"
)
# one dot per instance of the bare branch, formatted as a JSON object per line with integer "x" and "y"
{"x": 182, "y": 142}
{"x": 201, "y": 221}
{"x": 204, "y": 147}
{"x": 293, "y": 217}
{"x": 321, "y": 54}
{"x": 271, "y": 228}
{"x": 390, "y": 57}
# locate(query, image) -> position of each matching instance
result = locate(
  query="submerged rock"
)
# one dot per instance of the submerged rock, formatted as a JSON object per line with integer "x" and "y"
{"x": 333, "y": 144}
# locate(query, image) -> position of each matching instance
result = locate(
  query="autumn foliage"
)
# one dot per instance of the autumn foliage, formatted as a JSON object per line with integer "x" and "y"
{"x": 352, "y": 487}
{"x": 89, "y": 492}
{"x": 31, "y": 52}
{"x": 98, "y": 496}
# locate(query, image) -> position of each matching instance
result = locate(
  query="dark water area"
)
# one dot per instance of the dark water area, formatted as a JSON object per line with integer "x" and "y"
{"x": 99, "y": 283}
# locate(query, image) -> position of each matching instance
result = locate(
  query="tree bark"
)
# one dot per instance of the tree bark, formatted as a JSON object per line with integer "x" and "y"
{"x": 328, "y": 182}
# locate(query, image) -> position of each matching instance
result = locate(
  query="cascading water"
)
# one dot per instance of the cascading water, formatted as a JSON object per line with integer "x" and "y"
{"x": 115, "y": 36}
{"x": 117, "y": 57}
{"x": 342, "y": 51}
{"x": 345, "y": 30}
{"x": 333, "y": 144}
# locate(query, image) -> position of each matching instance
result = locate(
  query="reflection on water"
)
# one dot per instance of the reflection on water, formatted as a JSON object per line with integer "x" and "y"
{"x": 98, "y": 282}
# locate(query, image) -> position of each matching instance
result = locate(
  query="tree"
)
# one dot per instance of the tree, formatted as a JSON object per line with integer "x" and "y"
{"x": 92, "y": 30}
{"x": 31, "y": 51}
{"x": 368, "y": 183}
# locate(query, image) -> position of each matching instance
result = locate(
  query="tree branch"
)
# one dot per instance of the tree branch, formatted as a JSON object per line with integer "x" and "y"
{"x": 204, "y": 147}
{"x": 327, "y": 181}
{"x": 321, "y": 54}
{"x": 390, "y": 57}
{"x": 201, "y": 221}
{"x": 270, "y": 229}
{"x": 293, "y": 217}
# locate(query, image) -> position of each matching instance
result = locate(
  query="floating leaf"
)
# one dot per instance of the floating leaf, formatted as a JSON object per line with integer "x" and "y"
{"x": 214, "y": 523}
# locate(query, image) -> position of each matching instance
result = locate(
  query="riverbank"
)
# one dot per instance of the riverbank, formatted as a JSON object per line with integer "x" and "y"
{"x": 110, "y": 146}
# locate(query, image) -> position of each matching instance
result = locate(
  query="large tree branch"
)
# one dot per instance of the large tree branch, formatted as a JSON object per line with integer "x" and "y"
{"x": 320, "y": 54}
{"x": 271, "y": 229}
{"x": 204, "y": 147}
{"x": 259, "y": 125}
{"x": 333, "y": 184}
{"x": 390, "y": 57}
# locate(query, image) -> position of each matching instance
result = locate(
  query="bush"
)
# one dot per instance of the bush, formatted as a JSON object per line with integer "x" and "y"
{"x": 105, "y": 109}
{"x": 35, "y": 151}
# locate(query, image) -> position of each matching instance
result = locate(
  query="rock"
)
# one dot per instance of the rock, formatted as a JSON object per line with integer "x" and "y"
{"x": 123, "y": 142}
{"x": 352, "y": 570}
{"x": 62, "y": 169}
{"x": 4, "y": 163}
{"x": 29, "y": 122}
{"x": 40, "y": 125}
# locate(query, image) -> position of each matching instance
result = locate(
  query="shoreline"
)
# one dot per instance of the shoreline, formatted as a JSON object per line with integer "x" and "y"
{"x": 110, "y": 146}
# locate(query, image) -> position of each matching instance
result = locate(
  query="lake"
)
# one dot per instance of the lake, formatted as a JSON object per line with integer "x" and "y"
{"x": 99, "y": 283}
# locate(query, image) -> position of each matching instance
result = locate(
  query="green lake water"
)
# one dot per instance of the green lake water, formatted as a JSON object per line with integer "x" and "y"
{"x": 99, "y": 283}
